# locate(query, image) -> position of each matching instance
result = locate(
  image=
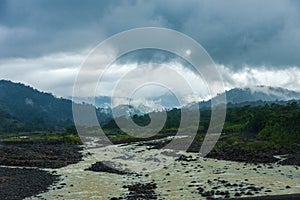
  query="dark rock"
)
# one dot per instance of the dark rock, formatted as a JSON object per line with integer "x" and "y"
{"x": 185, "y": 158}
{"x": 21, "y": 183}
{"x": 237, "y": 194}
{"x": 227, "y": 185}
{"x": 200, "y": 190}
{"x": 109, "y": 167}
{"x": 39, "y": 154}
{"x": 292, "y": 159}
{"x": 141, "y": 191}
{"x": 253, "y": 188}
{"x": 208, "y": 193}
{"x": 224, "y": 193}
{"x": 237, "y": 153}
{"x": 223, "y": 181}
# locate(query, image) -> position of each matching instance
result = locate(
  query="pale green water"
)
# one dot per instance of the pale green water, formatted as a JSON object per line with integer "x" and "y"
{"x": 99, "y": 185}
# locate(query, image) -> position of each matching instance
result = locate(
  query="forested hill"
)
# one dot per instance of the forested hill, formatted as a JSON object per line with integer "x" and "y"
{"x": 258, "y": 95}
{"x": 23, "y": 108}
{"x": 276, "y": 124}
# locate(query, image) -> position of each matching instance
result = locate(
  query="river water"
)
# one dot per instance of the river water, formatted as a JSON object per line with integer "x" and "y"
{"x": 174, "y": 179}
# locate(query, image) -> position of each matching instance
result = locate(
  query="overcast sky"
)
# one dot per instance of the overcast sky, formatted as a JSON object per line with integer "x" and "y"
{"x": 44, "y": 42}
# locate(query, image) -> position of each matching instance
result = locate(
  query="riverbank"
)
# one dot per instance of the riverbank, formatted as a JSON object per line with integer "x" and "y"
{"x": 189, "y": 177}
{"x": 41, "y": 155}
{"x": 274, "y": 197}
{"x": 282, "y": 157}
{"x": 253, "y": 151}
{"x": 16, "y": 183}
{"x": 23, "y": 162}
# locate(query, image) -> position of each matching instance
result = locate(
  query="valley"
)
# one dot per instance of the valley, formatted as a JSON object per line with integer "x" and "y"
{"x": 257, "y": 154}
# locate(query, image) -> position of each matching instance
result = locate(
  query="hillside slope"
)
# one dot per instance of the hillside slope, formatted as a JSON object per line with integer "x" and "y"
{"x": 24, "y": 108}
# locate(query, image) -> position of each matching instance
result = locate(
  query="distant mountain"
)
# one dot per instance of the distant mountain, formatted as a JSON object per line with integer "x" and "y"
{"x": 260, "y": 93}
{"x": 255, "y": 96}
{"x": 165, "y": 101}
{"x": 136, "y": 106}
{"x": 236, "y": 96}
{"x": 98, "y": 101}
{"x": 24, "y": 108}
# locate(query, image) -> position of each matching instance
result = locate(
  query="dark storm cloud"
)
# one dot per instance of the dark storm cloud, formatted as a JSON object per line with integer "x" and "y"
{"x": 235, "y": 33}
{"x": 35, "y": 28}
{"x": 242, "y": 32}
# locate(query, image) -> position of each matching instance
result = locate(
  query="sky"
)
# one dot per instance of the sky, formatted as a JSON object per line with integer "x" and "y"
{"x": 44, "y": 42}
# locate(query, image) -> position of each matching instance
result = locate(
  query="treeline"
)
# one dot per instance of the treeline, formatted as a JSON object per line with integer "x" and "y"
{"x": 275, "y": 123}
{"x": 23, "y": 109}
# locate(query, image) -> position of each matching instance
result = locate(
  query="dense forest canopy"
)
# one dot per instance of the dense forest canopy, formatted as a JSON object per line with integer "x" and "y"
{"x": 271, "y": 122}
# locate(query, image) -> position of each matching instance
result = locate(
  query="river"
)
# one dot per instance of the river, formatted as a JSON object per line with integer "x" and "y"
{"x": 174, "y": 179}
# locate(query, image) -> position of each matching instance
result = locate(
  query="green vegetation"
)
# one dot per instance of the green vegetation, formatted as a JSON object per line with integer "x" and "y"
{"x": 269, "y": 126}
{"x": 25, "y": 109}
{"x": 43, "y": 137}
{"x": 252, "y": 128}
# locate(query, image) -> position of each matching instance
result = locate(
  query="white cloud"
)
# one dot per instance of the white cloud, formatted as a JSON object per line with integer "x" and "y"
{"x": 53, "y": 73}
{"x": 247, "y": 76}
{"x": 56, "y": 73}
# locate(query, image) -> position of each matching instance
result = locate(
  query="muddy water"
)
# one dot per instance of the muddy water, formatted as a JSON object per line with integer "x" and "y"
{"x": 175, "y": 180}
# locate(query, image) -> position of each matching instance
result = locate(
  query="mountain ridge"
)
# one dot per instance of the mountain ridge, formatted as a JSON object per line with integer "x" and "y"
{"x": 24, "y": 108}
{"x": 233, "y": 96}
{"x": 27, "y": 108}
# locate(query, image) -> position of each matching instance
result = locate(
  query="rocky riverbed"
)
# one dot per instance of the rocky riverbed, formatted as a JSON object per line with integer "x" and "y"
{"x": 16, "y": 183}
{"x": 22, "y": 171}
{"x": 166, "y": 174}
{"x": 237, "y": 153}
{"x": 39, "y": 154}
{"x": 141, "y": 170}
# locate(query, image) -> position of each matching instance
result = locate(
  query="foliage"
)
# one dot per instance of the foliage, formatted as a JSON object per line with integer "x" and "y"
{"x": 25, "y": 109}
{"x": 270, "y": 125}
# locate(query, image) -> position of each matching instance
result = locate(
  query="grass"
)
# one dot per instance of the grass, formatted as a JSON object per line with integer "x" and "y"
{"x": 116, "y": 136}
{"x": 55, "y": 137}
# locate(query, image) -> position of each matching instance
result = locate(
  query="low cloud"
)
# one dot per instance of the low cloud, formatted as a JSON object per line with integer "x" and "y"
{"x": 250, "y": 76}
{"x": 57, "y": 74}
{"x": 44, "y": 43}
